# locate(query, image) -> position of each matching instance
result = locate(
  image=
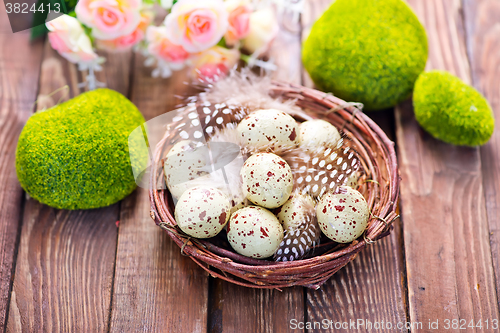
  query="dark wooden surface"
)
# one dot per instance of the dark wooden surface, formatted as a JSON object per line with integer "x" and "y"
{"x": 112, "y": 269}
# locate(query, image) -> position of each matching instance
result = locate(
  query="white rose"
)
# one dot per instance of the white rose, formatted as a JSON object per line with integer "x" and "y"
{"x": 66, "y": 36}
{"x": 263, "y": 30}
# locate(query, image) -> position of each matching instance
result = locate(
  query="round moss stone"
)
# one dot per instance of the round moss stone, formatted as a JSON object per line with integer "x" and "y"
{"x": 76, "y": 155}
{"x": 368, "y": 51}
{"x": 451, "y": 110}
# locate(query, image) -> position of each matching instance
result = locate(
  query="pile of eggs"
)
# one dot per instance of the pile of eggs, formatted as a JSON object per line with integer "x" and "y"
{"x": 266, "y": 183}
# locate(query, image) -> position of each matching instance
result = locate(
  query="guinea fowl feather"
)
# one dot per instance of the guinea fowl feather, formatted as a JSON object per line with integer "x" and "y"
{"x": 302, "y": 235}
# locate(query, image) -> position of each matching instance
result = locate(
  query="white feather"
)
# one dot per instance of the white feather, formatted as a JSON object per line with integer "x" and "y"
{"x": 245, "y": 88}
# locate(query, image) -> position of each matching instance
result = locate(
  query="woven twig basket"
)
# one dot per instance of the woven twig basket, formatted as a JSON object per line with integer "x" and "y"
{"x": 379, "y": 185}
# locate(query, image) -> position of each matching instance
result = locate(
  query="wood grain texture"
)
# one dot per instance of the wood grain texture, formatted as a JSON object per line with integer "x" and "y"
{"x": 367, "y": 289}
{"x": 448, "y": 255}
{"x": 19, "y": 73}
{"x": 156, "y": 288}
{"x": 64, "y": 270}
{"x": 65, "y": 265}
{"x": 313, "y": 9}
{"x": 482, "y": 22}
{"x": 238, "y": 309}
{"x": 443, "y": 21}
{"x": 373, "y": 286}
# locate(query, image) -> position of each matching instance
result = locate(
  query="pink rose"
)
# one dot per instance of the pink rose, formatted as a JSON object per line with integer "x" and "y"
{"x": 197, "y": 25}
{"x": 67, "y": 37}
{"x": 125, "y": 43}
{"x": 59, "y": 42}
{"x": 214, "y": 63}
{"x": 239, "y": 20}
{"x": 162, "y": 48}
{"x": 263, "y": 30}
{"x": 109, "y": 19}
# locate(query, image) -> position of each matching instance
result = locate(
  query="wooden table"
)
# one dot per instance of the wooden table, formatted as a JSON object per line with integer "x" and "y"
{"x": 112, "y": 269}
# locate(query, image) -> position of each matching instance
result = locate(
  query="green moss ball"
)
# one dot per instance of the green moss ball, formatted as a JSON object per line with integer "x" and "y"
{"x": 75, "y": 155}
{"x": 451, "y": 110}
{"x": 368, "y": 51}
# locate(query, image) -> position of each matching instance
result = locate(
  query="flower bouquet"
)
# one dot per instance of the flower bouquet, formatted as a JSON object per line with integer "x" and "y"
{"x": 209, "y": 37}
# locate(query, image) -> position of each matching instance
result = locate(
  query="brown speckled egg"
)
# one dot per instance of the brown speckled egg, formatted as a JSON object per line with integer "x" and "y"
{"x": 254, "y": 232}
{"x": 295, "y": 210}
{"x": 182, "y": 165}
{"x": 317, "y": 132}
{"x": 202, "y": 212}
{"x": 268, "y": 130}
{"x": 343, "y": 215}
{"x": 267, "y": 180}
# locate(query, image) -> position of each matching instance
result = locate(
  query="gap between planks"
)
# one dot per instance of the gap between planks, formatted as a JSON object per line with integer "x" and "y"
{"x": 155, "y": 288}
{"x": 65, "y": 257}
{"x": 238, "y": 309}
{"x": 372, "y": 287}
{"x": 447, "y": 243}
{"x": 482, "y": 27}
{"x": 18, "y": 88}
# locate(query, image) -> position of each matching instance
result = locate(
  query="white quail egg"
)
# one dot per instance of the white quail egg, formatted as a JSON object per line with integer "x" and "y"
{"x": 267, "y": 180}
{"x": 343, "y": 215}
{"x": 295, "y": 210}
{"x": 183, "y": 164}
{"x": 315, "y": 133}
{"x": 254, "y": 232}
{"x": 202, "y": 212}
{"x": 268, "y": 130}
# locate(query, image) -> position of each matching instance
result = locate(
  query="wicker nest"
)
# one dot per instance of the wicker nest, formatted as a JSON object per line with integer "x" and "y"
{"x": 379, "y": 185}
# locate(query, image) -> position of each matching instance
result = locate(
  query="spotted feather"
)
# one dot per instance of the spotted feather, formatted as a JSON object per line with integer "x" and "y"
{"x": 299, "y": 241}
{"x": 323, "y": 169}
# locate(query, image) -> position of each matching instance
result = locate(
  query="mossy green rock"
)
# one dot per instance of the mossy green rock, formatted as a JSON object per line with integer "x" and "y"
{"x": 451, "y": 110}
{"x": 368, "y": 51}
{"x": 76, "y": 155}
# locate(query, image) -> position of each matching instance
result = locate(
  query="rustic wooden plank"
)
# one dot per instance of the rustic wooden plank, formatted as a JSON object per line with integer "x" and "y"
{"x": 18, "y": 87}
{"x": 64, "y": 270}
{"x": 373, "y": 287}
{"x": 482, "y": 23}
{"x": 449, "y": 265}
{"x": 65, "y": 266}
{"x": 156, "y": 288}
{"x": 238, "y": 309}
{"x": 311, "y": 12}
{"x": 367, "y": 292}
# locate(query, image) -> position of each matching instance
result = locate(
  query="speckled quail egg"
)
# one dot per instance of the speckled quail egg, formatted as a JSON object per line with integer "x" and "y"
{"x": 202, "y": 212}
{"x": 295, "y": 210}
{"x": 183, "y": 164}
{"x": 343, "y": 215}
{"x": 352, "y": 180}
{"x": 254, "y": 232}
{"x": 268, "y": 130}
{"x": 267, "y": 180}
{"x": 317, "y": 132}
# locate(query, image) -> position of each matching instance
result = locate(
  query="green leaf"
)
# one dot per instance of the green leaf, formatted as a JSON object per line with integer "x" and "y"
{"x": 39, "y": 29}
{"x": 39, "y": 18}
{"x": 71, "y": 4}
{"x": 222, "y": 43}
